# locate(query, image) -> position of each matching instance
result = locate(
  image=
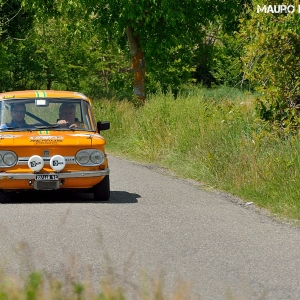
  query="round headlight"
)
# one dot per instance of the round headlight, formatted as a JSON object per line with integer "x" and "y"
{"x": 83, "y": 157}
{"x": 10, "y": 158}
{"x": 97, "y": 157}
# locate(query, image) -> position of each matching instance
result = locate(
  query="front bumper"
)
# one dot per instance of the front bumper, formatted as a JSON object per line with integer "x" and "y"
{"x": 32, "y": 176}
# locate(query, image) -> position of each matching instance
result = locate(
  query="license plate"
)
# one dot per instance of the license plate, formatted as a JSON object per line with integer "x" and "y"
{"x": 46, "y": 177}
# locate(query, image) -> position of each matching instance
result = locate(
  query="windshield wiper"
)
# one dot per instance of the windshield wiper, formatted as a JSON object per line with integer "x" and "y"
{"x": 46, "y": 127}
{"x": 8, "y": 128}
{"x": 15, "y": 128}
{"x": 5, "y": 127}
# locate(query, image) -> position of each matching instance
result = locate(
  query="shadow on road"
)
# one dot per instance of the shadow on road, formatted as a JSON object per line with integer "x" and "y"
{"x": 36, "y": 197}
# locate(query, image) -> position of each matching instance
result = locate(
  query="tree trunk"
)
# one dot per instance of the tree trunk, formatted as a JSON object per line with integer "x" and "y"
{"x": 49, "y": 81}
{"x": 138, "y": 64}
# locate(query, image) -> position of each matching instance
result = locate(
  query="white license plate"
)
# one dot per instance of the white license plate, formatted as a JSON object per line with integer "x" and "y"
{"x": 46, "y": 177}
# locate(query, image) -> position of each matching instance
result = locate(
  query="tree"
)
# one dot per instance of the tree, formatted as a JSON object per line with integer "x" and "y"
{"x": 154, "y": 28}
{"x": 272, "y": 64}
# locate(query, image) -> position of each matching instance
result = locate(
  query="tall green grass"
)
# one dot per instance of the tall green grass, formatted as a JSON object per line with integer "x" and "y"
{"x": 211, "y": 136}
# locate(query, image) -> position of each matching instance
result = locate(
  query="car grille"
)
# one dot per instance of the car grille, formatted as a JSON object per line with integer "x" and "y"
{"x": 46, "y": 185}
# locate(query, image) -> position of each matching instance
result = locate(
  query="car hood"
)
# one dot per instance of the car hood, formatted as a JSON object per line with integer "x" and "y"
{"x": 42, "y": 138}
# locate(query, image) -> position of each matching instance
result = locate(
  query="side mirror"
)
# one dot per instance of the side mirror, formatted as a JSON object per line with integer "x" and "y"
{"x": 104, "y": 125}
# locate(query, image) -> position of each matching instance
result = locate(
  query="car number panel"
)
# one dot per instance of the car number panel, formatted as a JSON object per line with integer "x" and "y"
{"x": 46, "y": 177}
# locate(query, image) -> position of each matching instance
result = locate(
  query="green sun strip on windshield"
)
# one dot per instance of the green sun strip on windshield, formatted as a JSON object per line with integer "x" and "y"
{"x": 41, "y": 94}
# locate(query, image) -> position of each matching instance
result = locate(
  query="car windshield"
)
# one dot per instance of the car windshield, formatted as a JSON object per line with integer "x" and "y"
{"x": 46, "y": 113}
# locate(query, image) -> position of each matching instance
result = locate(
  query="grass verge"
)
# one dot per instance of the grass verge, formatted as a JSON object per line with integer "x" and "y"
{"x": 211, "y": 136}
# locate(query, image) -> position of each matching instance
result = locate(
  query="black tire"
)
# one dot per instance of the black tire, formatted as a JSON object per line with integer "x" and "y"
{"x": 102, "y": 190}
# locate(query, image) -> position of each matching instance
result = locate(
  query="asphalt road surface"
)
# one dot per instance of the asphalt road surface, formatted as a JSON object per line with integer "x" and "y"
{"x": 155, "y": 226}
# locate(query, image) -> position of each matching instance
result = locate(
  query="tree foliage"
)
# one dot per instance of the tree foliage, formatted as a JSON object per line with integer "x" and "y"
{"x": 87, "y": 45}
{"x": 169, "y": 35}
{"x": 55, "y": 56}
{"x": 173, "y": 35}
{"x": 15, "y": 22}
{"x": 272, "y": 64}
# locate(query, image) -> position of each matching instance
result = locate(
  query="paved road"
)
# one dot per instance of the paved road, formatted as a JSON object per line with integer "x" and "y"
{"x": 157, "y": 225}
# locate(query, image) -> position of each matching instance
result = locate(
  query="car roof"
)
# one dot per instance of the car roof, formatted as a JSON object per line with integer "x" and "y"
{"x": 42, "y": 94}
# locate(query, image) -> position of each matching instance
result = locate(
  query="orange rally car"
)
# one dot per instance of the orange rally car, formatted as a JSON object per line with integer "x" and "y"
{"x": 50, "y": 140}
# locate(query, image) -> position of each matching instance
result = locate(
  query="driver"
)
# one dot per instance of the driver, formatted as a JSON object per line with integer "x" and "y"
{"x": 67, "y": 112}
{"x": 18, "y": 111}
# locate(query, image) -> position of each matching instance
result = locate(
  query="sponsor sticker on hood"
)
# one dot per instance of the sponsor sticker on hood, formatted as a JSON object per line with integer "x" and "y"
{"x": 53, "y": 140}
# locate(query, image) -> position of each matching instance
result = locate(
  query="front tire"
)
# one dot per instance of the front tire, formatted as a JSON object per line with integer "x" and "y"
{"x": 102, "y": 190}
